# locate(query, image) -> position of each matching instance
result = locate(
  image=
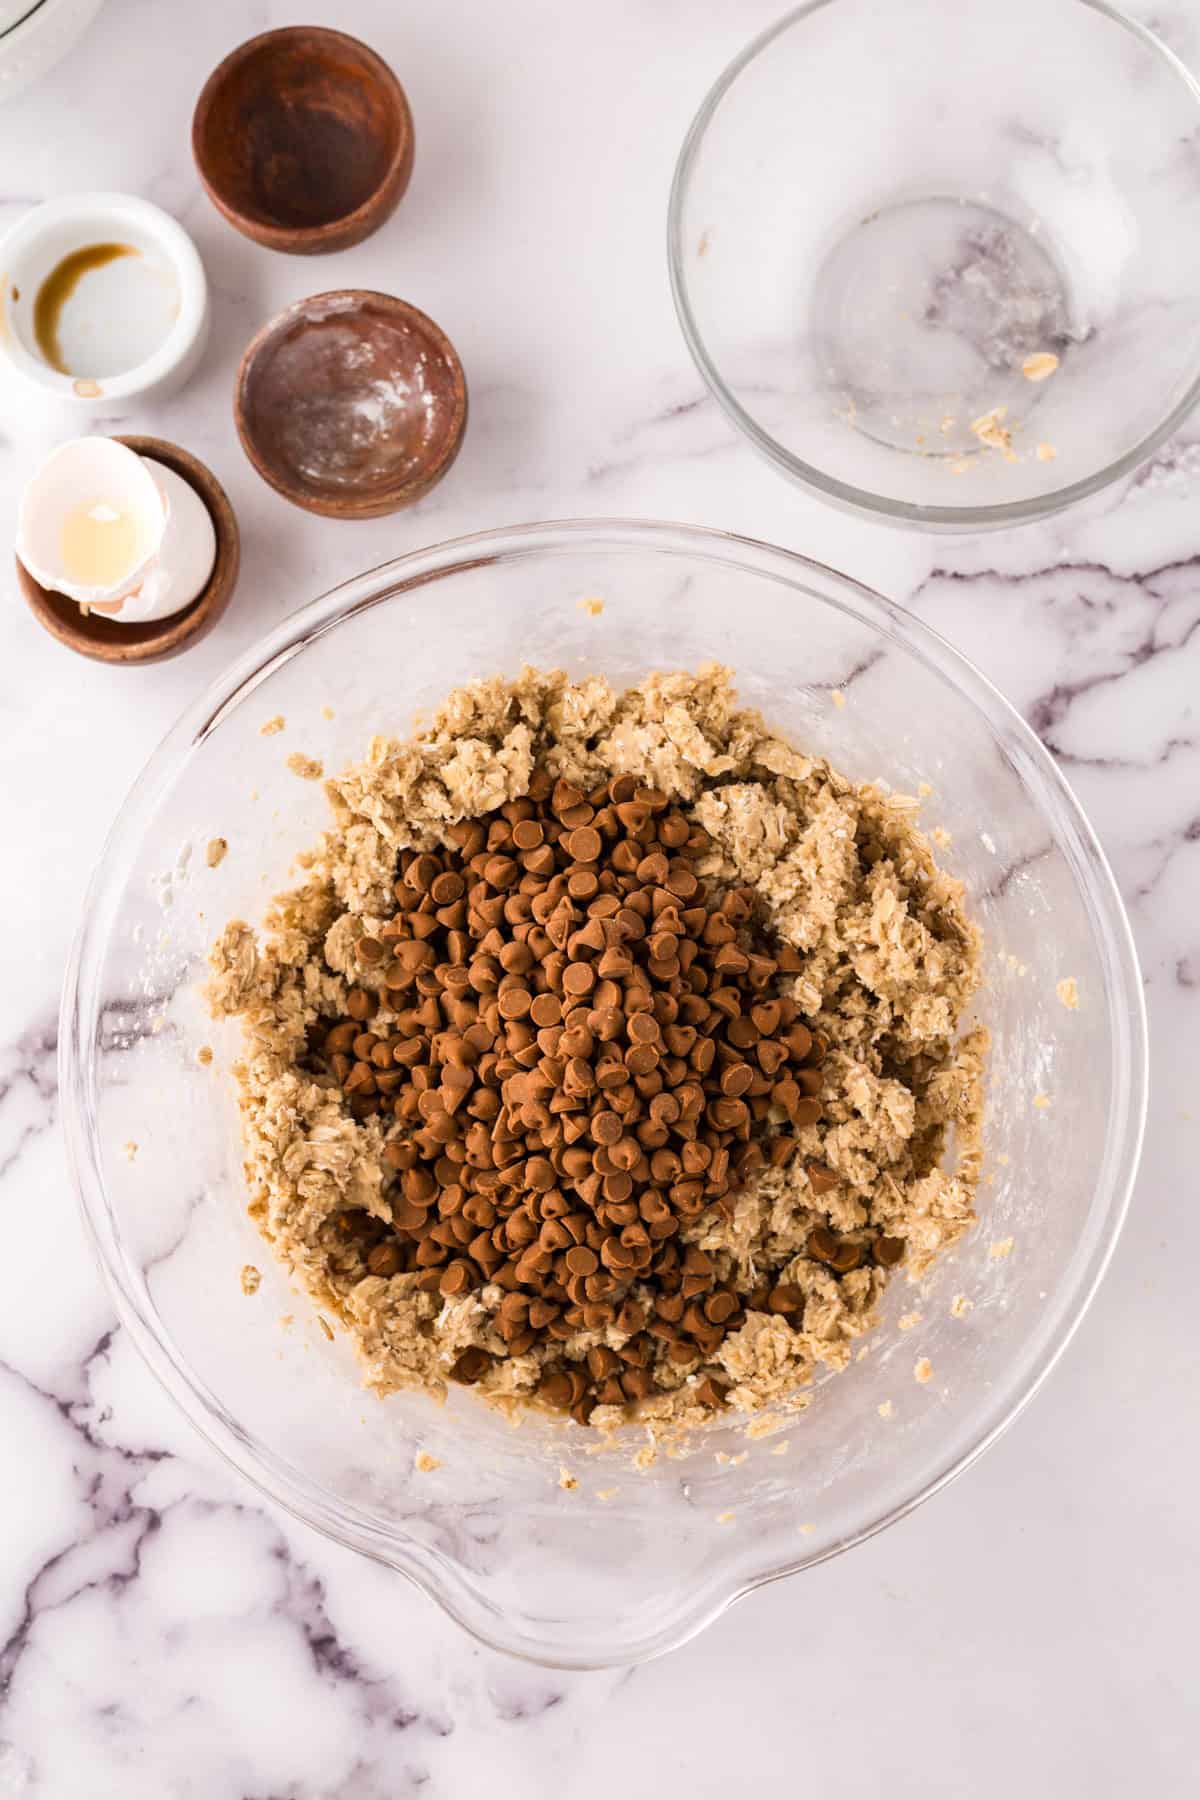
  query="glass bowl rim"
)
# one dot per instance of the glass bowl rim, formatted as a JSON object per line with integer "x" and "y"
{"x": 844, "y": 494}
{"x": 283, "y": 1484}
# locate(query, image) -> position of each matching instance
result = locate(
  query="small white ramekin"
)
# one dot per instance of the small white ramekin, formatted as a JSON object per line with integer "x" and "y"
{"x": 37, "y": 244}
{"x": 36, "y": 34}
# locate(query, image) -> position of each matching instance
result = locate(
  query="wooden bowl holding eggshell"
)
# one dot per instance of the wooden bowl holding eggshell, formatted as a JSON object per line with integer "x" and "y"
{"x": 104, "y": 639}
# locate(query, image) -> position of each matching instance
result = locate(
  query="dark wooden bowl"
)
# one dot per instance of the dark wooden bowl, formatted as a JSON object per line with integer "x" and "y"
{"x": 352, "y": 404}
{"x": 304, "y": 140}
{"x": 102, "y": 638}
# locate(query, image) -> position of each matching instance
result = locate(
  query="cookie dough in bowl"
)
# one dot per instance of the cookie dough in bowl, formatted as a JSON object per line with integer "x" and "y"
{"x": 583, "y": 1544}
{"x": 607, "y": 1056}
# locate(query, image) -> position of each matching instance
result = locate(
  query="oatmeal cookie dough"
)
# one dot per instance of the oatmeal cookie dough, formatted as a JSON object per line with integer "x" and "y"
{"x": 890, "y": 964}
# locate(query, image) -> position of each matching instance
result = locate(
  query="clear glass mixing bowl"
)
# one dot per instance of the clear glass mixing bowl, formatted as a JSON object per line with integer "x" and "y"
{"x": 559, "y": 1574}
{"x": 881, "y": 213}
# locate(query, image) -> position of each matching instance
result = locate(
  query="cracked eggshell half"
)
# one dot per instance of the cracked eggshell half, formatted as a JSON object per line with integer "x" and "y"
{"x": 115, "y": 532}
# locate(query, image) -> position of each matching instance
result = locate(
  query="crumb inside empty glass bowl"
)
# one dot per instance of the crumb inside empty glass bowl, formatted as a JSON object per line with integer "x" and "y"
{"x": 936, "y": 261}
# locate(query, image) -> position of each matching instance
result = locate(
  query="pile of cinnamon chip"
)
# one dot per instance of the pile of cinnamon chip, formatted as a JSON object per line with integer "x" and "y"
{"x": 585, "y": 1050}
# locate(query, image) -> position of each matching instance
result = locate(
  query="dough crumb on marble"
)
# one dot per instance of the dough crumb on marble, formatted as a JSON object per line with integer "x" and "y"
{"x": 129, "y": 1150}
{"x": 891, "y": 963}
{"x": 204, "y": 1055}
{"x": 216, "y": 852}
{"x": 1068, "y": 993}
{"x": 251, "y": 1279}
{"x": 308, "y": 768}
{"x": 922, "y": 1369}
{"x": 1000, "y": 1249}
{"x": 425, "y": 1463}
{"x": 960, "y": 1306}
{"x": 567, "y": 1481}
{"x": 884, "y": 1409}
{"x": 272, "y": 727}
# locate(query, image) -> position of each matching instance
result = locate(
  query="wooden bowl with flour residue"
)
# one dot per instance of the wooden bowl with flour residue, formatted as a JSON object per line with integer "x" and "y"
{"x": 352, "y": 404}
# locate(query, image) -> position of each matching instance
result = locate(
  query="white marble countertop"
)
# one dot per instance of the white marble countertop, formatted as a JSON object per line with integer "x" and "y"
{"x": 162, "y": 1631}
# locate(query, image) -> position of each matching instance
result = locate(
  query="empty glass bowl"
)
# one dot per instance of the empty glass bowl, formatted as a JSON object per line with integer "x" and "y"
{"x": 631, "y": 1560}
{"x": 941, "y": 262}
